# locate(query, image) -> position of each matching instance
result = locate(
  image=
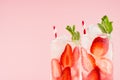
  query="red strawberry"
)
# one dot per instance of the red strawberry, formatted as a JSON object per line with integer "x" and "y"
{"x": 75, "y": 73}
{"x": 104, "y": 76}
{"x": 105, "y": 65}
{"x": 83, "y": 76}
{"x": 56, "y": 68}
{"x": 94, "y": 74}
{"x": 76, "y": 54}
{"x": 66, "y": 74}
{"x": 88, "y": 61}
{"x": 67, "y": 57}
{"x": 99, "y": 46}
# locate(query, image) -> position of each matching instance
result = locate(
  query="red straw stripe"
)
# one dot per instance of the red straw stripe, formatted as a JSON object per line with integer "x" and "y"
{"x": 82, "y": 23}
{"x": 84, "y": 31}
{"x": 55, "y": 35}
{"x": 54, "y": 27}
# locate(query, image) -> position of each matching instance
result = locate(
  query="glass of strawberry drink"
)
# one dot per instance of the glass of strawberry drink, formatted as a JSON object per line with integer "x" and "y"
{"x": 97, "y": 62}
{"x": 65, "y": 64}
{"x": 73, "y": 61}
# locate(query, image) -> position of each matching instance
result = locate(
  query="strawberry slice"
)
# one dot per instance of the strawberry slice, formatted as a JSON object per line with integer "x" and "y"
{"x": 104, "y": 76}
{"x": 67, "y": 57}
{"x": 66, "y": 74}
{"x": 108, "y": 77}
{"x": 99, "y": 46}
{"x": 76, "y": 54}
{"x": 88, "y": 61}
{"x": 105, "y": 65}
{"x": 56, "y": 68}
{"x": 94, "y": 74}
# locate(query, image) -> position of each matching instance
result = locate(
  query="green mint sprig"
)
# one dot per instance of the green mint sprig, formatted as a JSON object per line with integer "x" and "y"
{"x": 105, "y": 25}
{"x": 75, "y": 34}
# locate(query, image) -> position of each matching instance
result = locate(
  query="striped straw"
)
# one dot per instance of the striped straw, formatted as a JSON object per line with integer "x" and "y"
{"x": 84, "y": 29}
{"x": 55, "y": 31}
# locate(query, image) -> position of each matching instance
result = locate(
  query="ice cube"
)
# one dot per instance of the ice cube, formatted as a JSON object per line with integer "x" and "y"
{"x": 58, "y": 45}
{"x": 93, "y": 30}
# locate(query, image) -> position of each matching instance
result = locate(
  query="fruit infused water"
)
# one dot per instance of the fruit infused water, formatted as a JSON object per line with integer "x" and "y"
{"x": 86, "y": 56}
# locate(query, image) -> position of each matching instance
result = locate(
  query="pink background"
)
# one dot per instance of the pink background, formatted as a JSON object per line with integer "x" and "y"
{"x": 26, "y": 32}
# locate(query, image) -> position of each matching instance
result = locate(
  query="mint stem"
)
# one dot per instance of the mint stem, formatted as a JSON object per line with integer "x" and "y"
{"x": 75, "y": 34}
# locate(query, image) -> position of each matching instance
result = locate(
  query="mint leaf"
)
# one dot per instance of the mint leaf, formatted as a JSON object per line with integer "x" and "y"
{"x": 105, "y": 25}
{"x": 101, "y": 27}
{"x": 110, "y": 27}
{"x": 75, "y": 34}
{"x": 78, "y": 35}
{"x": 69, "y": 29}
{"x": 73, "y": 28}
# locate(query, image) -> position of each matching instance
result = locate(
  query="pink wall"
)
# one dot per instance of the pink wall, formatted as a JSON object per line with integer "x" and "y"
{"x": 26, "y": 32}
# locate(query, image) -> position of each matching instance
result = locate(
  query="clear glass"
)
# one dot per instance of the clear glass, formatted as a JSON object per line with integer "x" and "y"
{"x": 59, "y": 59}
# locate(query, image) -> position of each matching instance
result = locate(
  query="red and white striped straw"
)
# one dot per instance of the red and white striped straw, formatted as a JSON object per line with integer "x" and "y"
{"x": 55, "y": 31}
{"x": 84, "y": 28}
